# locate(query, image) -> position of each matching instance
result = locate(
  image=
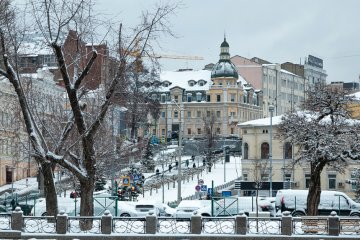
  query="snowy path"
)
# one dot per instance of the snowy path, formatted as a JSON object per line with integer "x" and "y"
{"x": 232, "y": 169}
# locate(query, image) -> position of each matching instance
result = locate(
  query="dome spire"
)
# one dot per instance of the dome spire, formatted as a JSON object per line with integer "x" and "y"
{"x": 224, "y": 67}
{"x": 224, "y": 50}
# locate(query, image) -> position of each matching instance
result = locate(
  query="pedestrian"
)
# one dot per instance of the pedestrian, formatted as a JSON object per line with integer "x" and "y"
{"x": 13, "y": 204}
{"x": 194, "y": 165}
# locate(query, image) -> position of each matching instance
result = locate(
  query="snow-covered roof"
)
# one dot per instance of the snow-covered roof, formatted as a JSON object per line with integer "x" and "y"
{"x": 261, "y": 122}
{"x": 181, "y": 79}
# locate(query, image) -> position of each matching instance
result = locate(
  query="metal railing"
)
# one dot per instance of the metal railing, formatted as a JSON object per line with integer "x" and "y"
{"x": 174, "y": 225}
{"x": 5, "y": 221}
{"x": 128, "y": 225}
{"x": 44, "y": 224}
{"x": 218, "y": 225}
{"x": 286, "y": 225}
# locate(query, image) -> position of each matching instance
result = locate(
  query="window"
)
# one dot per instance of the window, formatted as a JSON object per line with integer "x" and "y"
{"x": 307, "y": 180}
{"x": 153, "y": 97}
{"x": 218, "y": 114}
{"x": 264, "y": 150}
{"x": 217, "y": 130}
{"x": 189, "y": 97}
{"x": 218, "y": 98}
{"x": 220, "y": 83}
{"x": 246, "y": 151}
{"x": 208, "y": 114}
{"x": 191, "y": 84}
{"x": 287, "y": 177}
{"x": 231, "y": 130}
{"x": 198, "y": 97}
{"x": 176, "y": 98}
{"x": 332, "y": 181}
{"x": 189, "y": 131}
{"x": 265, "y": 177}
{"x": 199, "y": 131}
{"x": 189, "y": 114}
{"x": 208, "y": 98}
{"x": 162, "y": 114}
{"x": 163, "y": 97}
{"x": 287, "y": 150}
{"x": 201, "y": 83}
{"x": 154, "y": 131}
{"x": 245, "y": 177}
{"x": 163, "y": 131}
{"x": 198, "y": 114}
{"x": 354, "y": 178}
{"x": 232, "y": 114}
{"x": 176, "y": 114}
{"x": 232, "y": 97}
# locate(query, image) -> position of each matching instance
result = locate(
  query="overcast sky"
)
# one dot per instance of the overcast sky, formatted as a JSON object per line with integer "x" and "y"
{"x": 275, "y": 30}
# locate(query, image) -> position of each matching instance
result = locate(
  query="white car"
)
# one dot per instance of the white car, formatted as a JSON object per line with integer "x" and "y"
{"x": 186, "y": 208}
{"x": 67, "y": 204}
{"x": 143, "y": 208}
{"x": 234, "y": 205}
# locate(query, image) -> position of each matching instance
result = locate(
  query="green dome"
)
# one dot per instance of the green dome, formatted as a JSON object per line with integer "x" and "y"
{"x": 224, "y": 69}
{"x": 224, "y": 43}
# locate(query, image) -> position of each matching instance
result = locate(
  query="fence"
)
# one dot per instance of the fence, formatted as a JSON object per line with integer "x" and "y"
{"x": 287, "y": 225}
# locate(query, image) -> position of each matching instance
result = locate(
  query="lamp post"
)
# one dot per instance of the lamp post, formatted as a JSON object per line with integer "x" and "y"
{"x": 271, "y": 110}
{"x": 179, "y": 153}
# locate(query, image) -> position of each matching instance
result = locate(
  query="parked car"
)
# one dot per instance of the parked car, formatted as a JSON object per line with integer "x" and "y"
{"x": 186, "y": 208}
{"x": 142, "y": 208}
{"x": 234, "y": 205}
{"x": 295, "y": 201}
{"x": 66, "y": 204}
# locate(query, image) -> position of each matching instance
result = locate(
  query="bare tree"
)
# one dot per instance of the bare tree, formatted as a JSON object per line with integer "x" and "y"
{"x": 79, "y": 157}
{"x": 324, "y": 134}
{"x": 210, "y": 126}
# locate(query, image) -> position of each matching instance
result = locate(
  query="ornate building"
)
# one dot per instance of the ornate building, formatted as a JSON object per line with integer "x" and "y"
{"x": 195, "y": 99}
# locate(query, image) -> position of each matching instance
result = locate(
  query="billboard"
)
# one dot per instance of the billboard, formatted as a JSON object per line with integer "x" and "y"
{"x": 314, "y": 61}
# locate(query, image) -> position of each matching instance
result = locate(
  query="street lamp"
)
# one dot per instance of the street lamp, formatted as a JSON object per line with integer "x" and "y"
{"x": 180, "y": 145}
{"x": 271, "y": 110}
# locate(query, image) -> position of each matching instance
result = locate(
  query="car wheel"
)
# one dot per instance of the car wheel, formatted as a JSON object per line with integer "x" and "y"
{"x": 298, "y": 214}
{"x": 355, "y": 215}
{"x": 44, "y": 214}
{"x": 125, "y": 215}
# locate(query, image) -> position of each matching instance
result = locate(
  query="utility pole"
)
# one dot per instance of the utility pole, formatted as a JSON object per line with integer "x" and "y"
{"x": 271, "y": 110}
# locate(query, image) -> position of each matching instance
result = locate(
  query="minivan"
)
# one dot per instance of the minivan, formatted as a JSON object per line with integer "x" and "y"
{"x": 295, "y": 201}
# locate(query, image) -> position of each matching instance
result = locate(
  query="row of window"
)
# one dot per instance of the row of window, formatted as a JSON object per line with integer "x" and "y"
{"x": 217, "y": 114}
{"x": 199, "y": 131}
{"x": 288, "y": 178}
{"x": 287, "y": 150}
{"x": 247, "y": 98}
{"x": 6, "y": 119}
{"x": 8, "y": 147}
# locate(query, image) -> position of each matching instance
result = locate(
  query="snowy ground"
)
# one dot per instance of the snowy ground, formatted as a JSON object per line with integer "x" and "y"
{"x": 232, "y": 171}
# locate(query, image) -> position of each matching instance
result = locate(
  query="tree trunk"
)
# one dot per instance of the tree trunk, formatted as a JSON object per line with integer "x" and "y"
{"x": 314, "y": 193}
{"x": 49, "y": 189}
{"x": 87, "y": 202}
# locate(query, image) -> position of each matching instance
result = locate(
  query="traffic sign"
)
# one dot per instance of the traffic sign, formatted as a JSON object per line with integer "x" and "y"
{"x": 209, "y": 191}
{"x": 237, "y": 185}
{"x": 201, "y": 181}
{"x": 203, "y": 188}
{"x": 126, "y": 181}
{"x": 197, "y": 188}
{"x": 136, "y": 177}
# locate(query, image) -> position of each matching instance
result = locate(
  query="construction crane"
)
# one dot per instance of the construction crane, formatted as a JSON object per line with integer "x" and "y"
{"x": 177, "y": 57}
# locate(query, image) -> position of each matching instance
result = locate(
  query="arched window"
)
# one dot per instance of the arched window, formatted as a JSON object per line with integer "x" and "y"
{"x": 246, "y": 151}
{"x": 287, "y": 150}
{"x": 264, "y": 150}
